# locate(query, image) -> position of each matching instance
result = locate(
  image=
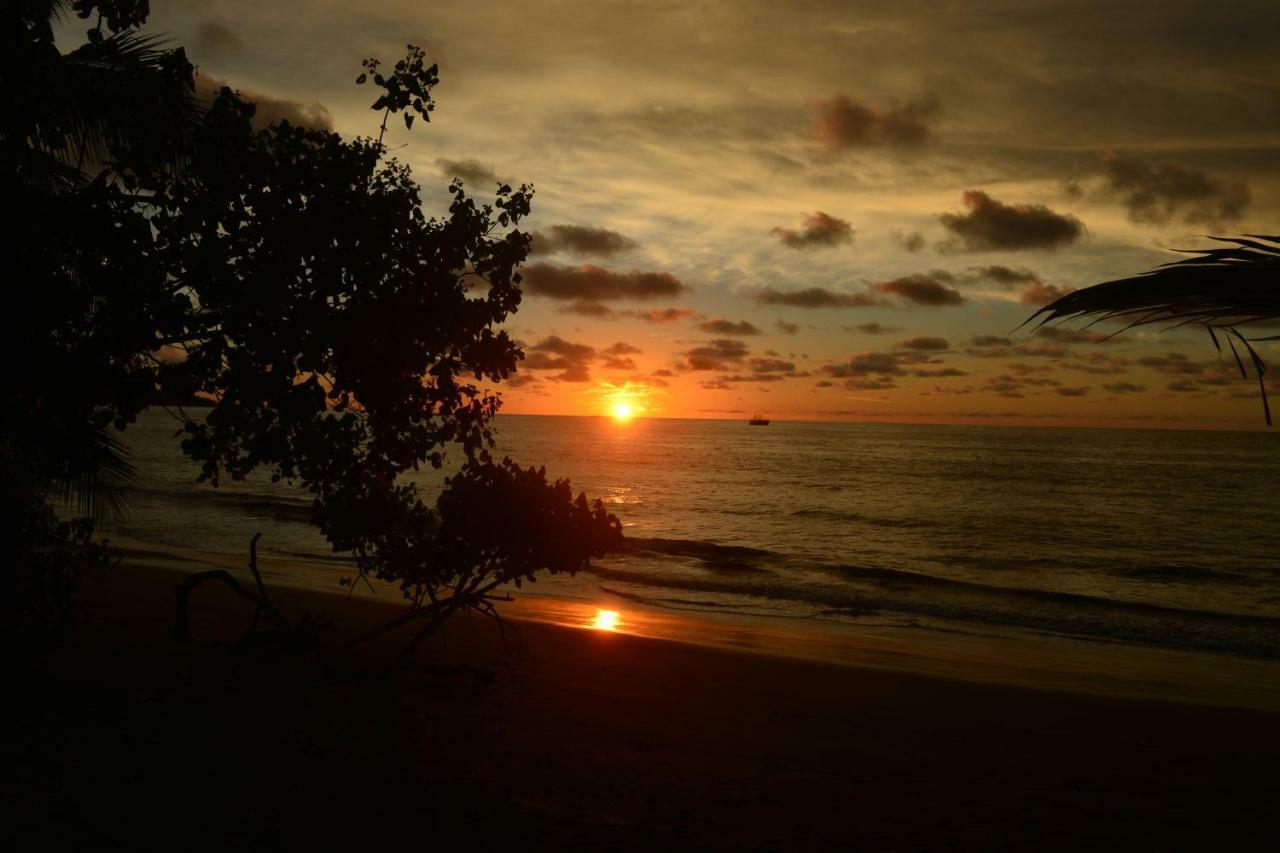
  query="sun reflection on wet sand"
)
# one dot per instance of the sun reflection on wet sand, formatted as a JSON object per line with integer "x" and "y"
{"x": 606, "y": 620}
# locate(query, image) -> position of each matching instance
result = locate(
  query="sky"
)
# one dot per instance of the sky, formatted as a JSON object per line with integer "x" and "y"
{"x": 826, "y": 210}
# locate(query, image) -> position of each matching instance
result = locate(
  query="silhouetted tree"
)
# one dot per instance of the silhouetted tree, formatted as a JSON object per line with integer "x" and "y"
{"x": 1223, "y": 289}
{"x": 291, "y": 278}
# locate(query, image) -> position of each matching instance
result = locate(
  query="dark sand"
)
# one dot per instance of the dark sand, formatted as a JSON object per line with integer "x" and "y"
{"x": 592, "y": 741}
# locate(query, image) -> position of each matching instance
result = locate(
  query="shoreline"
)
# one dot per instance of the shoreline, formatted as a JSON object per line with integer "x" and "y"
{"x": 1056, "y": 663}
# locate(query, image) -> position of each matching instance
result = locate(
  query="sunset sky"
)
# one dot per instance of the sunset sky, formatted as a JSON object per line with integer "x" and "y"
{"x": 819, "y": 210}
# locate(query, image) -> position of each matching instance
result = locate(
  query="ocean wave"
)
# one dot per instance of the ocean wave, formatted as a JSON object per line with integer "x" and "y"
{"x": 275, "y": 507}
{"x": 858, "y": 518}
{"x": 917, "y": 595}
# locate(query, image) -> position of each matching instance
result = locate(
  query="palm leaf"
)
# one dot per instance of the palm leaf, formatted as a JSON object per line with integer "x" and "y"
{"x": 1220, "y": 288}
{"x": 96, "y": 476}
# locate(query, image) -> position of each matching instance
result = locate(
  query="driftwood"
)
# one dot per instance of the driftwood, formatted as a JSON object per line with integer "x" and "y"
{"x": 304, "y": 636}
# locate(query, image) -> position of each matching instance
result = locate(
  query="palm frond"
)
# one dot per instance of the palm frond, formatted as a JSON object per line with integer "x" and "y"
{"x": 1218, "y": 288}
{"x": 96, "y": 478}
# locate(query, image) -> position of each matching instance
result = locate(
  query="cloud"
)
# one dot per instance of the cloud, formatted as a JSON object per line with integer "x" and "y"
{"x": 990, "y": 341}
{"x": 992, "y": 225}
{"x": 268, "y": 109}
{"x": 659, "y": 315}
{"x": 817, "y": 297}
{"x": 820, "y": 231}
{"x": 873, "y": 329}
{"x": 555, "y": 353}
{"x": 1042, "y": 294}
{"x": 912, "y": 241}
{"x": 586, "y": 308}
{"x": 787, "y": 328}
{"x": 1124, "y": 388}
{"x": 1157, "y": 194}
{"x": 1073, "y": 336}
{"x": 877, "y": 363}
{"x": 728, "y": 327}
{"x": 622, "y": 348}
{"x": 715, "y": 355}
{"x": 771, "y": 365}
{"x": 596, "y": 284}
{"x": 470, "y": 171}
{"x": 923, "y": 289}
{"x": 1174, "y": 362}
{"x": 1071, "y": 392}
{"x": 1006, "y": 278}
{"x": 925, "y": 344}
{"x": 841, "y": 123}
{"x": 214, "y": 41}
{"x": 580, "y": 239}
{"x": 940, "y": 372}
{"x": 1100, "y": 364}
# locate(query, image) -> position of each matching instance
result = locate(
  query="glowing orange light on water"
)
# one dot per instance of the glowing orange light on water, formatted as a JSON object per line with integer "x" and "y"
{"x": 623, "y": 411}
{"x": 606, "y": 620}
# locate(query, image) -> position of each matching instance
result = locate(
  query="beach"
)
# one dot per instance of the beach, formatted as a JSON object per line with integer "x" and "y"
{"x": 578, "y": 738}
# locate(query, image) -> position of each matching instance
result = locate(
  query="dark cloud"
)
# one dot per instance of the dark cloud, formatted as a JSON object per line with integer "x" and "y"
{"x": 841, "y": 123}
{"x": 1073, "y": 336}
{"x": 1006, "y": 278}
{"x": 875, "y": 363}
{"x": 1071, "y": 392}
{"x": 1157, "y": 194}
{"x": 717, "y": 354}
{"x": 470, "y": 171}
{"x": 873, "y": 329}
{"x": 1042, "y": 294}
{"x": 787, "y": 328}
{"x": 819, "y": 231}
{"x": 618, "y": 363}
{"x": 269, "y": 110}
{"x": 555, "y": 353}
{"x": 1124, "y": 388}
{"x": 912, "y": 241}
{"x": 596, "y": 310}
{"x": 1100, "y": 364}
{"x": 771, "y": 365}
{"x": 622, "y": 348}
{"x": 990, "y": 341}
{"x": 729, "y": 327}
{"x": 925, "y": 344}
{"x": 940, "y": 372}
{"x": 923, "y": 289}
{"x": 215, "y": 41}
{"x": 1174, "y": 362}
{"x": 580, "y": 239}
{"x": 817, "y": 297}
{"x": 992, "y": 225}
{"x": 659, "y": 315}
{"x": 522, "y": 380}
{"x": 870, "y": 383}
{"x": 596, "y": 284}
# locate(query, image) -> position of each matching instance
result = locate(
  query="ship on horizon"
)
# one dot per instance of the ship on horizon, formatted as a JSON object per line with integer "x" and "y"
{"x": 758, "y": 420}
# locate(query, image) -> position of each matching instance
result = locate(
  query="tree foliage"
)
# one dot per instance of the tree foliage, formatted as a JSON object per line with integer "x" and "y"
{"x": 291, "y": 278}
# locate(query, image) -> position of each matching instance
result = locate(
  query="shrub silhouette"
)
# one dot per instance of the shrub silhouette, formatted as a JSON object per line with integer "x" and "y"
{"x": 289, "y": 278}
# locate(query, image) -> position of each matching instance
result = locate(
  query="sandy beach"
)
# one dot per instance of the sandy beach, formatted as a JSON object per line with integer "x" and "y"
{"x": 598, "y": 740}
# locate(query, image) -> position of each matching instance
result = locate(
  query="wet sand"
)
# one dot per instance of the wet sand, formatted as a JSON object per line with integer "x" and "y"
{"x": 579, "y": 739}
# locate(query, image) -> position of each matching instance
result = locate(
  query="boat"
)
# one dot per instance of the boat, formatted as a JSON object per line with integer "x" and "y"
{"x": 758, "y": 420}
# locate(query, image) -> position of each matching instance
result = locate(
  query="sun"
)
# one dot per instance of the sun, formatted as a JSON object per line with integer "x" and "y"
{"x": 606, "y": 620}
{"x": 622, "y": 410}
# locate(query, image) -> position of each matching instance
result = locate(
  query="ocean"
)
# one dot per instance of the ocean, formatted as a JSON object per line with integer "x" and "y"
{"x": 1165, "y": 539}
